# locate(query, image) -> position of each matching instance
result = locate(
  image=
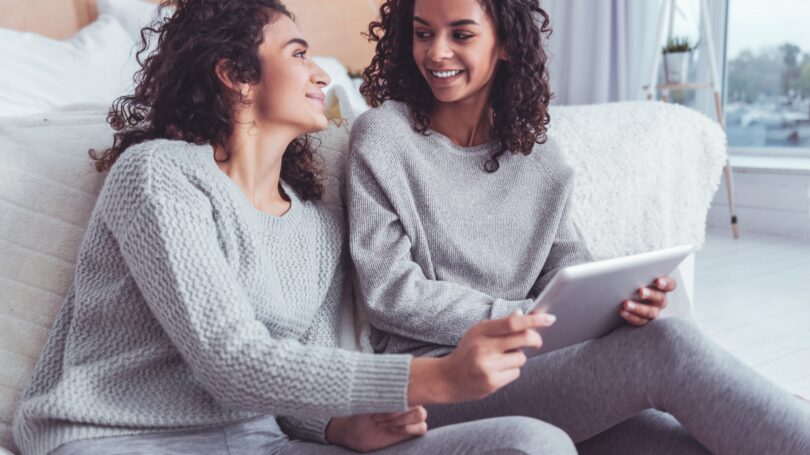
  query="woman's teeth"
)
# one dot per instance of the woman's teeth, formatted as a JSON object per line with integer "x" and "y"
{"x": 445, "y": 74}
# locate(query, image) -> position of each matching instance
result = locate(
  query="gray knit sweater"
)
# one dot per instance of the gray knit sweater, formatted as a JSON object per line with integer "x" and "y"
{"x": 191, "y": 308}
{"x": 440, "y": 244}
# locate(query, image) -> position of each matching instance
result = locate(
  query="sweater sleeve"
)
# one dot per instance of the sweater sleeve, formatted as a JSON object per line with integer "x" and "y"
{"x": 170, "y": 245}
{"x": 398, "y": 296}
{"x": 567, "y": 249}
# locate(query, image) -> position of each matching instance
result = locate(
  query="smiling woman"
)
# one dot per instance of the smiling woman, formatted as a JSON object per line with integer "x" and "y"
{"x": 162, "y": 108}
{"x": 452, "y": 177}
{"x": 412, "y": 66}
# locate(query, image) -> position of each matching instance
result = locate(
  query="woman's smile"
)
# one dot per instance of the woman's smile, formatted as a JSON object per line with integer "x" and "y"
{"x": 441, "y": 78}
{"x": 317, "y": 98}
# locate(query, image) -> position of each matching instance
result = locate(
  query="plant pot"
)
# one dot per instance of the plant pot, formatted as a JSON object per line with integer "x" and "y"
{"x": 676, "y": 67}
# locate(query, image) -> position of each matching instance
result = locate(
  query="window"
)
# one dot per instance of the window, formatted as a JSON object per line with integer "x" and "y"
{"x": 767, "y": 104}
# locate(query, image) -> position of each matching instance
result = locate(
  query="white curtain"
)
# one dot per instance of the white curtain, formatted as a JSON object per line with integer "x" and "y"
{"x": 601, "y": 50}
{"x": 704, "y": 99}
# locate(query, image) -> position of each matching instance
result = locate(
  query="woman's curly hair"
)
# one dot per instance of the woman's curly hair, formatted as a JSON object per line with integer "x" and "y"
{"x": 521, "y": 91}
{"x": 178, "y": 95}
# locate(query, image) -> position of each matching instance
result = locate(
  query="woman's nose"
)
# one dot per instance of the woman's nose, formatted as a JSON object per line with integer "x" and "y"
{"x": 439, "y": 50}
{"x": 319, "y": 76}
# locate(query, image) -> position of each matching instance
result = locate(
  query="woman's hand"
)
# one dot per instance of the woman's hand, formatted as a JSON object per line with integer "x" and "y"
{"x": 487, "y": 358}
{"x": 369, "y": 432}
{"x": 651, "y": 300}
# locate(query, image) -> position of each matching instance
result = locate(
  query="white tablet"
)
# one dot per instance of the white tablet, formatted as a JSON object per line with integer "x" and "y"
{"x": 586, "y": 298}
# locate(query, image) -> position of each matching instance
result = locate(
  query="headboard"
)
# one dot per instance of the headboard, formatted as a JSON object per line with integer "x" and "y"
{"x": 333, "y": 27}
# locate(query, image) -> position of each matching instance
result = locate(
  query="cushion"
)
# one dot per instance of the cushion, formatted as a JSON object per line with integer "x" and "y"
{"x": 39, "y": 74}
{"x": 48, "y": 187}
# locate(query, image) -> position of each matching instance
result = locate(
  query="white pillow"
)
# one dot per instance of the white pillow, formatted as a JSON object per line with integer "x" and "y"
{"x": 39, "y": 74}
{"x": 132, "y": 14}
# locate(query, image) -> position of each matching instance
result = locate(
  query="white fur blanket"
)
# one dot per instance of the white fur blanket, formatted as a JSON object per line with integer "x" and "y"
{"x": 646, "y": 173}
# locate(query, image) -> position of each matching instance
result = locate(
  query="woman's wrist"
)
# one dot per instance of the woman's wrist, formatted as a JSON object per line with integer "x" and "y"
{"x": 334, "y": 430}
{"x": 428, "y": 382}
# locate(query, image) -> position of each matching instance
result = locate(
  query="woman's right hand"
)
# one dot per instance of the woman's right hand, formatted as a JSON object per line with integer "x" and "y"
{"x": 488, "y": 357}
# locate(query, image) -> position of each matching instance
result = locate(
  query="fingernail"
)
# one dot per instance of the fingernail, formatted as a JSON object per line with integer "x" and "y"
{"x": 549, "y": 318}
{"x": 643, "y": 293}
{"x": 625, "y": 314}
{"x": 518, "y": 312}
{"x": 631, "y": 305}
{"x": 662, "y": 282}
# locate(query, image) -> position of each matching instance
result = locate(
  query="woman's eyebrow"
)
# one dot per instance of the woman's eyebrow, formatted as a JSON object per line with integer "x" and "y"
{"x": 300, "y": 41}
{"x": 420, "y": 20}
{"x": 463, "y": 22}
{"x": 457, "y": 23}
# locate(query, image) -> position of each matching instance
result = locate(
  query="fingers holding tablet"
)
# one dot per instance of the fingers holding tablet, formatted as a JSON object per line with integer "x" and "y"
{"x": 637, "y": 313}
{"x": 665, "y": 284}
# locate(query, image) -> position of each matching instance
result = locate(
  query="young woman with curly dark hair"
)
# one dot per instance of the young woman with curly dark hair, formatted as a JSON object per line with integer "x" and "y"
{"x": 460, "y": 212}
{"x": 205, "y": 309}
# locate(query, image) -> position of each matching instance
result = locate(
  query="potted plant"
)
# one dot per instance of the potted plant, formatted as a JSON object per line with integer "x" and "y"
{"x": 677, "y": 56}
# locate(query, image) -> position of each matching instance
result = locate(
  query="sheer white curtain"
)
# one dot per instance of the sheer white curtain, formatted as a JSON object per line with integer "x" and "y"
{"x": 601, "y": 50}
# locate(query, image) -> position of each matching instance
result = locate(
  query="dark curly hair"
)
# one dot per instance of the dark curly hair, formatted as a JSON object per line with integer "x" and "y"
{"x": 177, "y": 93}
{"x": 521, "y": 90}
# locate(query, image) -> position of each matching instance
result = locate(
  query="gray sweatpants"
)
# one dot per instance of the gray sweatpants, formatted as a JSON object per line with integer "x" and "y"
{"x": 649, "y": 375}
{"x": 502, "y": 435}
{"x": 614, "y": 395}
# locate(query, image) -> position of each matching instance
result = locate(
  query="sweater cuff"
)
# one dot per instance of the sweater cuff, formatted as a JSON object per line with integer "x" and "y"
{"x": 310, "y": 429}
{"x": 380, "y": 383}
{"x": 503, "y": 308}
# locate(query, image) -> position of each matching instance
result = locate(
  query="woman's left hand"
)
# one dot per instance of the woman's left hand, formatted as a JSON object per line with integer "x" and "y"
{"x": 651, "y": 300}
{"x": 370, "y": 432}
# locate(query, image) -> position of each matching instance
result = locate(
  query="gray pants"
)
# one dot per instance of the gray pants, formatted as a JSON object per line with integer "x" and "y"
{"x": 590, "y": 390}
{"x": 614, "y": 395}
{"x": 503, "y": 435}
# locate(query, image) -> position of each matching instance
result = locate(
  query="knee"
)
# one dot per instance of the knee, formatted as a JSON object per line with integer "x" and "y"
{"x": 675, "y": 329}
{"x": 525, "y": 435}
{"x": 677, "y": 337}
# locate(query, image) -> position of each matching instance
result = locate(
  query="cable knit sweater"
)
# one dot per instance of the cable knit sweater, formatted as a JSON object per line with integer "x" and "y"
{"x": 191, "y": 308}
{"x": 440, "y": 244}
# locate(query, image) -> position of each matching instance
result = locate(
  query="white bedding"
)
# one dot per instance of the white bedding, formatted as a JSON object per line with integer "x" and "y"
{"x": 38, "y": 74}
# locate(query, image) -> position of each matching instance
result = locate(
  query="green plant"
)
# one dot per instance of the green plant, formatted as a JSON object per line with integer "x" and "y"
{"x": 678, "y": 44}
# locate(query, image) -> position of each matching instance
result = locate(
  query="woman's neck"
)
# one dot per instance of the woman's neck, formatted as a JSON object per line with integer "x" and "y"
{"x": 254, "y": 164}
{"x": 467, "y": 122}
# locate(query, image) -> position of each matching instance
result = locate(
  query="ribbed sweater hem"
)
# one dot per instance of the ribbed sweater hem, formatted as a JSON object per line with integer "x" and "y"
{"x": 381, "y": 383}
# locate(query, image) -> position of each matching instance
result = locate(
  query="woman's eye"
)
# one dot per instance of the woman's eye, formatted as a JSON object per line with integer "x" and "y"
{"x": 462, "y": 36}
{"x": 300, "y": 54}
{"x": 421, "y": 35}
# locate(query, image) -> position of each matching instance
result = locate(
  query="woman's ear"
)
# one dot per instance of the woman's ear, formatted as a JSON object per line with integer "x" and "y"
{"x": 503, "y": 54}
{"x": 224, "y": 72}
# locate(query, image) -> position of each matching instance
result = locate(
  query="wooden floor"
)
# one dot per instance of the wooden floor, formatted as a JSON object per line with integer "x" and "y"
{"x": 752, "y": 296}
